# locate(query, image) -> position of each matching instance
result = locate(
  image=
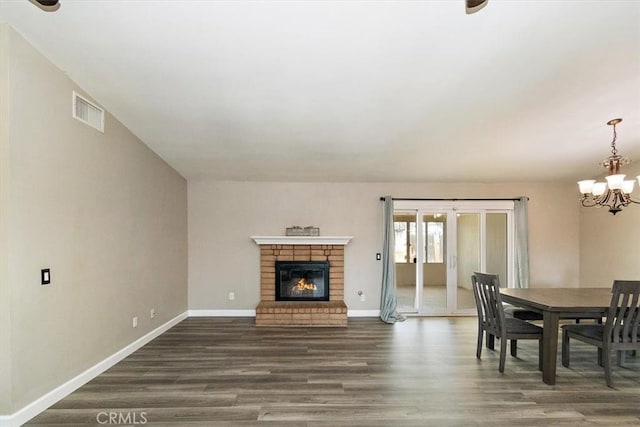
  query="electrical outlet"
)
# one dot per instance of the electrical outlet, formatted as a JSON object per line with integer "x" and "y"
{"x": 362, "y": 297}
{"x": 135, "y": 321}
{"x": 232, "y": 296}
{"x": 152, "y": 313}
{"x": 378, "y": 256}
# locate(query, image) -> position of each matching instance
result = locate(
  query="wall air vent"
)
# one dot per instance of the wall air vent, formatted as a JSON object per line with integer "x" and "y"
{"x": 88, "y": 112}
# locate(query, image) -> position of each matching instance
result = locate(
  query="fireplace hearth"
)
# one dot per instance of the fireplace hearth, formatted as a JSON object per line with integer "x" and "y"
{"x": 302, "y": 281}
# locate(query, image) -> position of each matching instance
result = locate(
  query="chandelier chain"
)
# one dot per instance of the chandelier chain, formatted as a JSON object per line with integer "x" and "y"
{"x": 614, "y": 150}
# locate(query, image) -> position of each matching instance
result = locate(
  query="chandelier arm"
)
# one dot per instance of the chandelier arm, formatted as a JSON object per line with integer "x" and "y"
{"x": 626, "y": 199}
{"x": 607, "y": 199}
{"x": 588, "y": 202}
{"x": 623, "y": 199}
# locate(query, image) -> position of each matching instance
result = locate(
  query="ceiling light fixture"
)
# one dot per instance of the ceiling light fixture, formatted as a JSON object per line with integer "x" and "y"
{"x": 616, "y": 192}
{"x": 472, "y": 6}
{"x": 47, "y": 5}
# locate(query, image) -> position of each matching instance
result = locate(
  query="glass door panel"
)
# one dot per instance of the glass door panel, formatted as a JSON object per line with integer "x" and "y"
{"x": 434, "y": 268}
{"x": 497, "y": 238}
{"x": 468, "y": 257}
{"x": 405, "y": 256}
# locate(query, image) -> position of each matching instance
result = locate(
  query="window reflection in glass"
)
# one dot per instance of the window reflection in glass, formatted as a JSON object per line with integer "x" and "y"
{"x": 434, "y": 242}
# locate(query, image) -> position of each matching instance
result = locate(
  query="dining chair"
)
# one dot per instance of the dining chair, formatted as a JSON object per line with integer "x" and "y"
{"x": 509, "y": 310}
{"x": 620, "y": 332}
{"x": 492, "y": 319}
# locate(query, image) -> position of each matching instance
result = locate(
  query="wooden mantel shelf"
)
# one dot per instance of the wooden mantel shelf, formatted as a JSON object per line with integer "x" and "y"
{"x": 302, "y": 240}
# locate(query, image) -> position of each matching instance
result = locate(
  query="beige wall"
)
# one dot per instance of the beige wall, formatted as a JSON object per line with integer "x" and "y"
{"x": 222, "y": 216}
{"x": 102, "y": 211}
{"x": 610, "y": 245}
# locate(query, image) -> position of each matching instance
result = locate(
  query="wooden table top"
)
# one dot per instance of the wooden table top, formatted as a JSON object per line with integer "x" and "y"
{"x": 560, "y": 299}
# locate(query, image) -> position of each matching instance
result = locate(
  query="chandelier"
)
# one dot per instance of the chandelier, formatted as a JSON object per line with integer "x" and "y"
{"x": 616, "y": 192}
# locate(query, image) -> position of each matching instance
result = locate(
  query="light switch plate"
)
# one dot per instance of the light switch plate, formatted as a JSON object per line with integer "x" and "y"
{"x": 45, "y": 276}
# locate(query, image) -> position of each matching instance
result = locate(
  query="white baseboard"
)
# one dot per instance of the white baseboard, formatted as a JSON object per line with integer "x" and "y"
{"x": 222, "y": 313}
{"x": 34, "y": 408}
{"x": 363, "y": 313}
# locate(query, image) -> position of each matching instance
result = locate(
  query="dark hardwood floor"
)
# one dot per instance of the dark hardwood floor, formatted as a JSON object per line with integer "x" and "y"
{"x": 422, "y": 372}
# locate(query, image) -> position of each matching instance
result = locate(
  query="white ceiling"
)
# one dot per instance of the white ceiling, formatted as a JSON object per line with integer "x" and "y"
{"x": 357, "y": 90}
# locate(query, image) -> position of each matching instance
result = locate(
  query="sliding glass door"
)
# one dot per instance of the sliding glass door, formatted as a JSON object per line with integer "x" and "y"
{"x": 438, "y": 247}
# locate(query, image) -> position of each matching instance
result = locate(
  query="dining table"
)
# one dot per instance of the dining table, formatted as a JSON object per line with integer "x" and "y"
{"x": 555, "y": 304}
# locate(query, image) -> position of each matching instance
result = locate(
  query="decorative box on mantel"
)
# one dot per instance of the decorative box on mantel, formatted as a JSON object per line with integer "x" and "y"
{"x": 304, "y": 249}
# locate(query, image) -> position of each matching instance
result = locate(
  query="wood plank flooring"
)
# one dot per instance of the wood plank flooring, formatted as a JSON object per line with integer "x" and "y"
{"x": 422, "y": 372}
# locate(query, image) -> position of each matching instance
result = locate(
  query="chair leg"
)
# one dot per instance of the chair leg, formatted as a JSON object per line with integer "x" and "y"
{"x": 490, "y": 341}
{"x": 600, "y": 357}
{"x": 514, "y": 348}
{"x": 479, "y": 348}
{"x": 503, "y": 353}
{"x": 622, "y": 355}
{"x": 565, "y": 348}
{"x": 607, "y": 367}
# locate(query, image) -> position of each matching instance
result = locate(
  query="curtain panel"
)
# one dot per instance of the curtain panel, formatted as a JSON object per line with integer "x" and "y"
{"x": 388, "y": 301}
{"x": 521, "y": 244}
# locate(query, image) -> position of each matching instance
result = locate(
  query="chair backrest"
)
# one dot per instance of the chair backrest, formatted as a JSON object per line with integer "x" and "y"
{"x": 623, "y": 318}
{"x": 486, "y": 290}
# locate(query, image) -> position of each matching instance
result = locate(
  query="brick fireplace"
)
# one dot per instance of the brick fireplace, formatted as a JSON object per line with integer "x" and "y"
{"x": 270, "y": 312}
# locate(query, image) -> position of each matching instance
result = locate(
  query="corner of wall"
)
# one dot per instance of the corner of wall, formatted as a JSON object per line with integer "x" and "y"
{"x": 6, "y": 401}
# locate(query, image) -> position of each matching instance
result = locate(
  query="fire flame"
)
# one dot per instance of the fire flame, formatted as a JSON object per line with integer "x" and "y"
{"x": 304, "y": 286}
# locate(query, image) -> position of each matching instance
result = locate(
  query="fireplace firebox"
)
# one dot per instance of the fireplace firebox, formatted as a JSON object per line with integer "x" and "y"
{"x": 302, "y": 281}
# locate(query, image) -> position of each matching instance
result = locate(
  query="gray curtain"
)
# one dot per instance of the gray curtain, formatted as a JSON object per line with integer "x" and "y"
{"x": 521, "y": 218}
{"x": 388, "y": 302}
